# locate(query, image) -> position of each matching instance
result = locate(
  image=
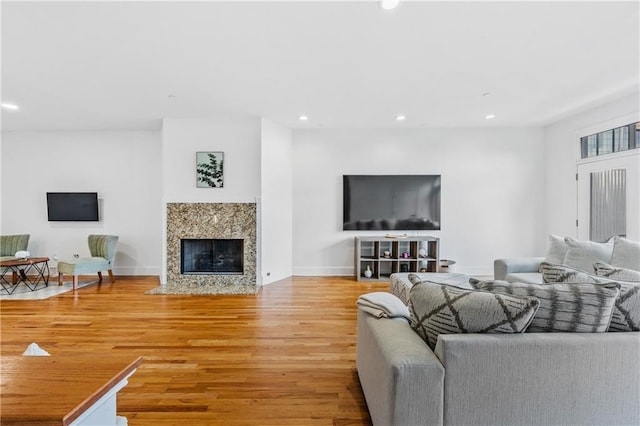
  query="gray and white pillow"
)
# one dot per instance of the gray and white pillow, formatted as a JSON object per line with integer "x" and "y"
{"x": 437, "y": 309}
{"x": 552, "y": 273}
{"x": 616, "y": 273}
{"x": 582, "y": 254}
{"x": 581, "y": 308}
{"x": 626, "y": 253}
{"x": 626, "y": 316}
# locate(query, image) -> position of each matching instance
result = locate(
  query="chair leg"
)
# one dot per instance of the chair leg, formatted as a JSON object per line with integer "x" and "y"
{"x": 75, "y": 282}
{"x": 113, "y": 279}
{"x": 60, "y": 274}
{"x": 99, "y": 276}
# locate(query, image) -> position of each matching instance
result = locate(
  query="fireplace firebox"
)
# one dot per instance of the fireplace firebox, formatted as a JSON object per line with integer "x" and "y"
{"x": 211, "y": 257}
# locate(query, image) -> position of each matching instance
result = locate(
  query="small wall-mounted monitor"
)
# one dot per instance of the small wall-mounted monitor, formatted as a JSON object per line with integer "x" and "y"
{"x": 72, "y": 206}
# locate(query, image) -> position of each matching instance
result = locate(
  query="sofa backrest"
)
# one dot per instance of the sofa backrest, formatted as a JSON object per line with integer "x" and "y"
{"x": 541, "y": 378}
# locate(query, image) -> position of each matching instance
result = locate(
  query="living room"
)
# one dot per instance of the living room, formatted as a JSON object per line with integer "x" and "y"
{"x": 123, "y": 109}
{"x": 505, "y": 186}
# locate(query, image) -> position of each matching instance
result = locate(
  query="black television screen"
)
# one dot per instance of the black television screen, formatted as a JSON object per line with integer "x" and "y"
{"x": 391, "y": 202}
{"x": 72, "y": 206}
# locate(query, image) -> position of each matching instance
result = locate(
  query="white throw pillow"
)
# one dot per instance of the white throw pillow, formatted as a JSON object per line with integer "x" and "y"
{"x": 556, "y": 250}
{"x": 583, "y": 254}
{"x": 626, "y": 254}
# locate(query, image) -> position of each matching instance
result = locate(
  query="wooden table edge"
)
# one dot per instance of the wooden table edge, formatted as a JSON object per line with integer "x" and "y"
{"x": 91, "y": 399}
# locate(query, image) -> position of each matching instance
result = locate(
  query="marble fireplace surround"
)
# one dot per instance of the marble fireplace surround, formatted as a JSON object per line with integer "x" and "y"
{"x": 211, "y": 220}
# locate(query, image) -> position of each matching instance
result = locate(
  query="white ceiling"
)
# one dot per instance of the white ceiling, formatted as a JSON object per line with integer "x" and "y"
{"x": 125, "y": 65}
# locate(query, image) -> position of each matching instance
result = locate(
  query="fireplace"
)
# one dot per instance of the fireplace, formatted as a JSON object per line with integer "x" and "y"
{"x": 223, "y": 256}
{"x": 211, "y": 256}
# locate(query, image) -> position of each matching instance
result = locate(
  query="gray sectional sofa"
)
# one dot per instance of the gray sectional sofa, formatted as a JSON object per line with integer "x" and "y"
{"x": 581, "y": 255}
{"x": 522, "y": 379}
{"x": 497, "y": 379}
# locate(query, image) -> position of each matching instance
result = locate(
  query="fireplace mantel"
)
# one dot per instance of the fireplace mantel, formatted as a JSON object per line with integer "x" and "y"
{"x": 215, "y": 221}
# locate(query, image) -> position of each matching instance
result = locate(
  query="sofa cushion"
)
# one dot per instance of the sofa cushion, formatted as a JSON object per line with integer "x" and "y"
{"x": 582, "y": 308}
{"x": 626, "y": 314}
{"x": 524, "y": 277}
{"x": 556, "y": 249}
{"x": 626, "y": 254}
{"x": 582, "y": 254}
{"x": 441, "y": 309}
{"x": 616, "y": 273}
{"x": 565, "y": 274}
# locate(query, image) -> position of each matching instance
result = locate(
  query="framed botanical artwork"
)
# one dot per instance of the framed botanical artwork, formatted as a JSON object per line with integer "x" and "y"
{"x": 209, "y": 169}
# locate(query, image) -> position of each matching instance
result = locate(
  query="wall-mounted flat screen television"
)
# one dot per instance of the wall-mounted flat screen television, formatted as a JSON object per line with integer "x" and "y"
{"x": 391, "y": 202}
{"x": 72, "y": 206}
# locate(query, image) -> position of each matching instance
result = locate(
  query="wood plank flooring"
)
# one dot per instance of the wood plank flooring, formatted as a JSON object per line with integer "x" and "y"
{"x": 285, "y": 356}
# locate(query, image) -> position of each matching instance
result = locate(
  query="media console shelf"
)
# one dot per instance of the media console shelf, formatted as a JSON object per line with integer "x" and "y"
{"x": 385, "y": 256}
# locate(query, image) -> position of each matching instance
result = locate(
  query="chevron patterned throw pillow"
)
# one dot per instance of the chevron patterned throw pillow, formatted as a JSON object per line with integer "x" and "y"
{"x": 441, "y": 309}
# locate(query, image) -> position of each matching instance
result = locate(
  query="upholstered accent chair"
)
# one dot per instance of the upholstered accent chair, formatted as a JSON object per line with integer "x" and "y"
{"x": 103, "y": 251}
{"x": 10, "y": 244}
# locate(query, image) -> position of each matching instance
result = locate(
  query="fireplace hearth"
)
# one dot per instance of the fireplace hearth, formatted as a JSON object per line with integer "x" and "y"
{"x": 211, "y": 256}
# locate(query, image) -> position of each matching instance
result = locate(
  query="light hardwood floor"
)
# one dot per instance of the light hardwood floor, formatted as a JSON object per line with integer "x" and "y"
{"x": 285, "y": 356}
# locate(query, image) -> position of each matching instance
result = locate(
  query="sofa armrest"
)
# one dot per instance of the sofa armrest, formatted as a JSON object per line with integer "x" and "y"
{"x": 533, "y": 378}
{"x": 502, "y": 267}
{"x": 401, "y": 377}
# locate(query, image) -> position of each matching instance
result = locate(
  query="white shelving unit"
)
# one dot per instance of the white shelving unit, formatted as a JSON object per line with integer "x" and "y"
{"x": 385, "y": 256}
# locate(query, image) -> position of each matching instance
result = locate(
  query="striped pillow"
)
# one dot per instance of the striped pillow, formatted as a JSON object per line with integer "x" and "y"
{"x": 626, "y": 316}
{"x": 616, "y": 273}
{"x": 582, "y": 308}
{"x": 437, "y": 309}
{"x": 565, "y": 274}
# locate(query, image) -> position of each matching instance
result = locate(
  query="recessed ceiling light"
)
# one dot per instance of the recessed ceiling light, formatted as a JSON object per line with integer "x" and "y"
{"x": 303, "y": 118}
{"x": 485, "y": 94}
{"x": 388, "y": 4}
{"x": 490, "y": 116}
{"x": 13, "y": 107}
{"x": 401, "y": 118}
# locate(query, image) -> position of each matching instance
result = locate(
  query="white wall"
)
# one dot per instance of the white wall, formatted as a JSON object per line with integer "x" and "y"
{"x": 561, "y": 141}
{"x": 121, "y": 166}
{"x": 492, "y": 191}
{"x": 239, "y": 139}
{"x": 277, "y": 202}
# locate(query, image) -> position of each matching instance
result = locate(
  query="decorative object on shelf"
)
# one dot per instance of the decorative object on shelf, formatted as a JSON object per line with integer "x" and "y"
{"x": 422, "y": 252}
{"x": 423, "y": 269}
{"x": 405, "y": 255}
{"x": 22, "y": 254}
{"x": 404, "y": 267}
{"x": 367, "y": 272}
{"x": 396, "y": 236}
{"x": 209, "y": 169}
{"x": 386, "y": 253}
{"x": 445, "y": 263}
